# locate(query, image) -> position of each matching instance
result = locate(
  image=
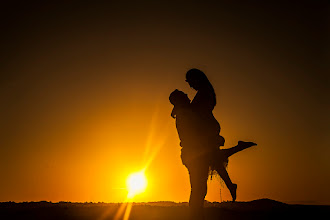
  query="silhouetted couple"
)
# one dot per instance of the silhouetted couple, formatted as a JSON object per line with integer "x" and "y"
{"x": 199, "y": 133}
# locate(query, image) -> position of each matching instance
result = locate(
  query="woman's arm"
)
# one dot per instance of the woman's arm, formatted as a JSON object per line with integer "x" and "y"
{"x": 203, "y": 102}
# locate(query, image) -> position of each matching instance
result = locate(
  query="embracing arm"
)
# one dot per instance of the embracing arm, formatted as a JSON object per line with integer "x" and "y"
{"x": 203, "y": 102}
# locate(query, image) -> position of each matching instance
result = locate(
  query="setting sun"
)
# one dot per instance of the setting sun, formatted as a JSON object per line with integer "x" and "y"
{"x": 136, "y": 184}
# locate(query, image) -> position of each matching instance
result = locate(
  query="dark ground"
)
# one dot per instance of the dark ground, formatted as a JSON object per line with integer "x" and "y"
{"x": 258, "y": 209}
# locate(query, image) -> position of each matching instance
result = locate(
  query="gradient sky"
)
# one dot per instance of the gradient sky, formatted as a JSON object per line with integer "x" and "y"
{"x": 84, "y": 97}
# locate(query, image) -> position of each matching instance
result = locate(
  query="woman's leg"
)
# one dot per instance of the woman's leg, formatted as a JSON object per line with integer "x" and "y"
{"x": 223, "y": 157}
{"x": 241, "y": 146}
{"x": 224, "y": 175}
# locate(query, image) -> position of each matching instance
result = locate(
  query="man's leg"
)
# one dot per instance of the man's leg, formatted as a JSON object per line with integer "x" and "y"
{"x": 198, "y": 173}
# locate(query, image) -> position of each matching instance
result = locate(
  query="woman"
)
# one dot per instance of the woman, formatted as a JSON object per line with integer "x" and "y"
{"x": 202, "y": 107}
{"x": 191, "y": 136}
{"x": 203, "y": 102}
{"x": 195, "y": 154}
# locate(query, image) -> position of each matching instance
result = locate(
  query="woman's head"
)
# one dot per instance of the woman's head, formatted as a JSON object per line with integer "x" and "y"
{"x": 197, "y": 79}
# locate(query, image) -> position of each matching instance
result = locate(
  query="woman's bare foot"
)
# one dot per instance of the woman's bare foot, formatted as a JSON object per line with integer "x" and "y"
{"x": 244, "y": 144}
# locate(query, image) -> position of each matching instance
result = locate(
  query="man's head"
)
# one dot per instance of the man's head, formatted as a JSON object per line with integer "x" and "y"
{"x": 179, "y": 98}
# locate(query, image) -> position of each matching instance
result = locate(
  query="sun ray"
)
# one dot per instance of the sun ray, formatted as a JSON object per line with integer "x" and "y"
{"x": 120, "y": 211}
{"x": 128, "y": 211}
{"x": 151, "y": 132}
{"x": 136, "y": 182}
{"x": 156, "y": 146}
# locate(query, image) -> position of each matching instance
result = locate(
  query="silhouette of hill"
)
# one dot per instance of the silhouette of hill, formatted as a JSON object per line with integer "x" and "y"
{"x": 257, "y": 209}
{"x": 255, "y": 205}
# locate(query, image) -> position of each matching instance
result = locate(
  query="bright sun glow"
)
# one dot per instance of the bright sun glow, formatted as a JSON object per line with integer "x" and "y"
{"x": 136, "y": 184}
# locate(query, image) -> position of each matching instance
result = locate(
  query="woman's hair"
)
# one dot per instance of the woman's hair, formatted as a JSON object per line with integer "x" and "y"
{"x": 199, "y": 77}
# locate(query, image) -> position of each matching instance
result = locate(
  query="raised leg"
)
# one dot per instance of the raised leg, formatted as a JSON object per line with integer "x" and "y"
{"x": 241, "y": 146}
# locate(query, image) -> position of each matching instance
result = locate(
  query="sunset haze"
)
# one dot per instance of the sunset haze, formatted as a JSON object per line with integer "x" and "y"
{"x": 84, "y": 98}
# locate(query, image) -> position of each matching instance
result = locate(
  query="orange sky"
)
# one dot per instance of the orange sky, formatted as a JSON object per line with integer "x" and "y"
{"x": 84, "y": 99}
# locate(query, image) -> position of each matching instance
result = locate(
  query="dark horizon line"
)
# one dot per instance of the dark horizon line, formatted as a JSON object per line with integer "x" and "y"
{"x": 263, "y": 200}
